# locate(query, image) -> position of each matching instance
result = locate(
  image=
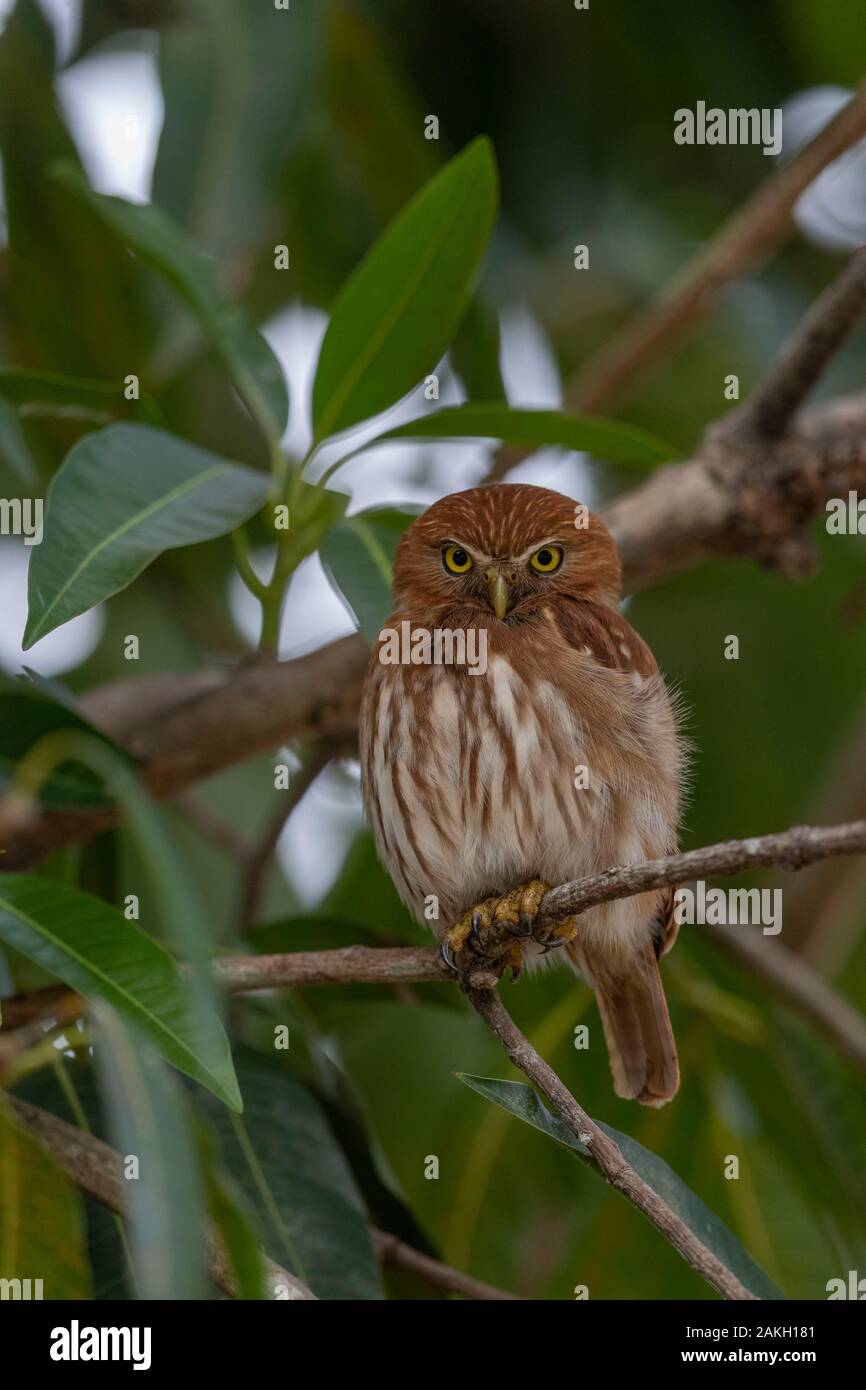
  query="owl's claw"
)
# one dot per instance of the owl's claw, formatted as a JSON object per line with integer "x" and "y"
{"x": 464, "y": 948}
{"x": 447, "y": 956}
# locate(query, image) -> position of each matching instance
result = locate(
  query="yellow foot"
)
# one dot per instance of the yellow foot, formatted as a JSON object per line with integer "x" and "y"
{"x": 464, "y": 946}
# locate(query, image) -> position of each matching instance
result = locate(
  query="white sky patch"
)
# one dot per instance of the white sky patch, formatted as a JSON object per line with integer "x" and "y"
{"x": 62, "y": 650}
{"x": 831, "y": 212}
{"x": 113, "y": 105}
{"x": 313, "y": 846}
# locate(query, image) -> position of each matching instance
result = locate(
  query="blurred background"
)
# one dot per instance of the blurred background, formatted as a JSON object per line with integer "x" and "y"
{"x": 254, "y": 128}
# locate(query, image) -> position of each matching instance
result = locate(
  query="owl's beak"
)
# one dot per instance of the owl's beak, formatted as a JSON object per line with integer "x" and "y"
{"x": 500, "y": 594}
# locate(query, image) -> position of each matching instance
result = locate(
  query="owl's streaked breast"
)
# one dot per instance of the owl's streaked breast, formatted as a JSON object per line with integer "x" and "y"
{"x": 475, "y": 783}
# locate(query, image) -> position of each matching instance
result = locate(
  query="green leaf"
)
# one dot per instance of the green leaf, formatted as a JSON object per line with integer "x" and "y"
{"x": 41, "y": 1222}
{"x": 148, "y": 1118}
{"x": 120, "y": 497}
{"x": 522, "y": 1101}
{"x": 287, "y": 1161}
{"x": 358, "y": 557}
{"x": 398, "y": 312}
{"x": 29, "y": 711}
{"x": 592, "y": 434}
{"x": 95, "y": 950}
{"x": 160, "y": 244}
{"x": 230, "y": 1213}
{"x": 71, "y": 297}
{"x": 476, "y": 351}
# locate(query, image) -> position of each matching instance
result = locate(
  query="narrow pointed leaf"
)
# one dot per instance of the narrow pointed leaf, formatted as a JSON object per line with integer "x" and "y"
{"x": 591, "y": 434}
{"x": 399, "y": 311}
{"x": 522, "y": 1101}
{"x": 148, "y": 1119}
{"x": 299, "y": 1185}
{"x": 121, "y": 497}
{"x": 94, "y": 949}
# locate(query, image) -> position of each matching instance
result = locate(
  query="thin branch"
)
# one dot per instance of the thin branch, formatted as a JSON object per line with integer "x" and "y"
{"x": 390, "y": 1250}
{"x": 604, "y": 1153}
{"x": 741, "y": 244}
{"x": 360, "y": 965}
{"x": 214, "y": 829}
{"x": 831, "y": 319}
{"x": 260, "y": 854}
{"x": 799, "y": 986}
{"x": 95, "y": 1168}
{"x": 792, "y": 849}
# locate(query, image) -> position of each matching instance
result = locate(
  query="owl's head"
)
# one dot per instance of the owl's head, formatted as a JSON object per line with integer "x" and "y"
{"x": 502, "y": 549}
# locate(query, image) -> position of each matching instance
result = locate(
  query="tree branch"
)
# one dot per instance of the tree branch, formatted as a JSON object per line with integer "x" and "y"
{"x": 831, "y": 319}
{"x": 95, "y": 1168}
{"x": 604, "y": 1153}
{"x": 390, "y": 1250}
{"x": 260, "y": 854}
{"x": 799, "y": 985}
{"x": 741, "y": 244}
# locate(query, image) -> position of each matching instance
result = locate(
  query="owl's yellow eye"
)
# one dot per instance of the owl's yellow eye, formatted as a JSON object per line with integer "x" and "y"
{"x": 457, "y": 560}
{"x": 547, "y": 559}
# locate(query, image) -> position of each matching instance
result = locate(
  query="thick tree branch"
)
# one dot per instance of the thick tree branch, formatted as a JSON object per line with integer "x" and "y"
{"x": 603, "y": 1151}
{"x": 743, "y": 494}
{"x": 680, "y": 516}
{"x": 96, "y": 1169}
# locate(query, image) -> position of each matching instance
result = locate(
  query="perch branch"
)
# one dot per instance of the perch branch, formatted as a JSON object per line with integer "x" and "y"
{"x": 801, "y": 987}
{"x": 604, "y": 1153}
{"x": 96, "y": 1169}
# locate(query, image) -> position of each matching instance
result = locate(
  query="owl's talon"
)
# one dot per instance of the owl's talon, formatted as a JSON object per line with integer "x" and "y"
{"x": 514, "y": 911}
{"x": 558, "y": 936}
{"x": 447, "y": 957}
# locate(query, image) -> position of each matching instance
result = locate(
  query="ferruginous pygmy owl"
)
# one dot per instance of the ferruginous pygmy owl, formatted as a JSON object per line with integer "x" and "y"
{"x": 553, "y": 754}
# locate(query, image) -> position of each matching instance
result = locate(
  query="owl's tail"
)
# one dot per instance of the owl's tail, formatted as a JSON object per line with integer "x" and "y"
{"x": 637, "y": 1027}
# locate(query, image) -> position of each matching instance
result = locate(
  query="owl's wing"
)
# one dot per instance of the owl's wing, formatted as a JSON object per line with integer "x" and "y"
{"x": 603, "y": 633}
{"x": 633, "y": 1008}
